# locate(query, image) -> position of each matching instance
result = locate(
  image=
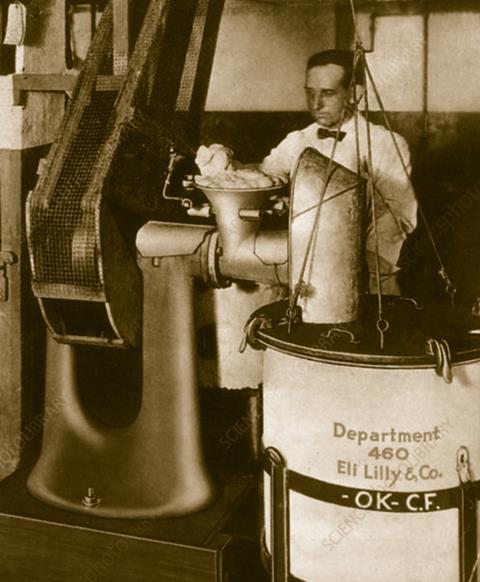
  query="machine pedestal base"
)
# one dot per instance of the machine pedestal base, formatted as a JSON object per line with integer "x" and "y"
{"x": 43, "y": 544}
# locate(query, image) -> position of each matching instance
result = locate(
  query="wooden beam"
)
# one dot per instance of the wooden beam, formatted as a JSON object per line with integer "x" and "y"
{"x": 60, "y": 83}
{"x": 434, "y": 5}
{"x": 20, "y": 334}
{"x": 344, "y": 22}
{"x": 398, "y": 7}
{"x": 10, "y": 312}
{"x": 41, "y": 82}
{"x": 32, "y": 82}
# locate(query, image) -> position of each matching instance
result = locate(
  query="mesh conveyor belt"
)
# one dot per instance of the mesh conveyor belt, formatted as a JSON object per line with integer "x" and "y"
{"x": 104, "y": 174}
{"x": 63, "y": 225}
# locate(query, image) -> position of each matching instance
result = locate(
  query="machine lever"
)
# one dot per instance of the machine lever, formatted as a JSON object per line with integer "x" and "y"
{"x": 173, "y": 159}
{"x": 203, "y": 211}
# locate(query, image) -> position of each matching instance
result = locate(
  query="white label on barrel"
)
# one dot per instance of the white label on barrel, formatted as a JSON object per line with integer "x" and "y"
{"x": 389, "y": 456}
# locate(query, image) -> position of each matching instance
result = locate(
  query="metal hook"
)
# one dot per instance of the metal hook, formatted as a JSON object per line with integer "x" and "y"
{"x": 249, "y": 332}
{"x": 463, "y": 465}
{"x": 440, "y": 349}
{"x": 338, "y": 331}
{"x": 382, "y": 326}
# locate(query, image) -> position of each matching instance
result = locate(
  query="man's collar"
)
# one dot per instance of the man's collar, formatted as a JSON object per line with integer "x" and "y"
{"x": 349, "y": 125}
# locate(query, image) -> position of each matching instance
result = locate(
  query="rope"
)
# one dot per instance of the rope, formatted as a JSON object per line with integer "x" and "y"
{"x": 442, "y": 271}
{"x": 355, "y": 21}
{"x": 359, "y": 57}
{"x": 382, "y": 324}
{"x": 474, "y": 569}
{"x": 355, "y": 98}
{"x": 332, "y": 197}
{"x": 449, "y": 287}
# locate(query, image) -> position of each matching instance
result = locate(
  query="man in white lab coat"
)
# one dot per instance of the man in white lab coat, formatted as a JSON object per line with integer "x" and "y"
{"x": 328, "y": 83}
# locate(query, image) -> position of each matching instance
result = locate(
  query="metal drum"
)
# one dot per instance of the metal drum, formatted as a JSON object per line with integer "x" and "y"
{"x": 374, "y": 453}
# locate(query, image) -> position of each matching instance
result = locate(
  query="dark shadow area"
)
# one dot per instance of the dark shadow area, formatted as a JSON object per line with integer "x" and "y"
{"x": 228, "y": 427}
{"x": 447, "y": 180}
{"x": 110, "y": 384}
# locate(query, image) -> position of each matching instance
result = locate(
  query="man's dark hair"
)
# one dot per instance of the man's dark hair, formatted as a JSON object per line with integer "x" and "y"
{"x": 342, "y": 58}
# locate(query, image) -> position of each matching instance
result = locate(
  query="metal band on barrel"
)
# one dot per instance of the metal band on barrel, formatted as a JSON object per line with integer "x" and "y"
{"x": 376, "y": 499}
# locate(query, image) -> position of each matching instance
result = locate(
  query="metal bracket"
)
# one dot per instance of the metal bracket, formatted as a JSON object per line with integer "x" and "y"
{"x": 468, "y": 559}
{"x": 255, "y": 323}
{"x": 440, "y": 350}
{"x": 476, "y": 307}
{"x": 6, "y": 258}
{"x": 279, "y": 516}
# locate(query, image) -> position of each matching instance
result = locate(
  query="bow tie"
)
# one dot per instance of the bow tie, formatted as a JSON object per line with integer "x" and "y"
{"x": 323, "y": 133}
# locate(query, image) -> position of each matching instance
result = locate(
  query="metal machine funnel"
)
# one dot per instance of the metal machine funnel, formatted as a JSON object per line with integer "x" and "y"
{"x": 237, "y": 212}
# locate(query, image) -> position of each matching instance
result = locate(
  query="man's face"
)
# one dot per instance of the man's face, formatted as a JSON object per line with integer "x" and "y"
{"x": 326, "y": 96}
